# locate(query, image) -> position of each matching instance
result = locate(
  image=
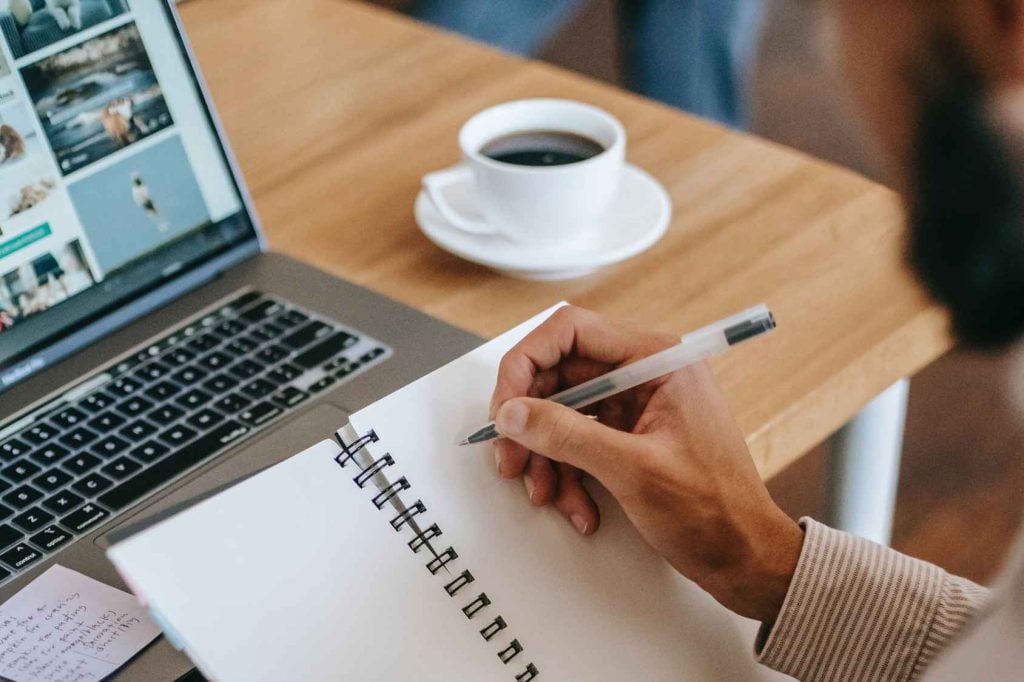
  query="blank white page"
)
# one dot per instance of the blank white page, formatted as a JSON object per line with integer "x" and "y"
{"x": 289, "y": 576}
{"x": 598, "y": 608}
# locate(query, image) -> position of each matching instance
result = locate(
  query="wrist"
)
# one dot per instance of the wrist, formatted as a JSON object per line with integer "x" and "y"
{"x": 773, "y": 568}
{"x": 757, "y": 586}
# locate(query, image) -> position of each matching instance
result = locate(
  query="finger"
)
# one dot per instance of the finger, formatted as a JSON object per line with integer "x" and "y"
{"x": 555, "y": 431}
{"x": 540, "y": 480}
{"x": 570, "y": 330}
{"x": 574, "y": 502}
{"x": 510, "y": 458}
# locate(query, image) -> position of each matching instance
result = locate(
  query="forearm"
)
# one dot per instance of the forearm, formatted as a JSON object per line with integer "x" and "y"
{"x": 859, "y": 611}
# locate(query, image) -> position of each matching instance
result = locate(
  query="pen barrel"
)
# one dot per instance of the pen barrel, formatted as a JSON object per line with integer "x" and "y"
{"x": 697, "y": 347}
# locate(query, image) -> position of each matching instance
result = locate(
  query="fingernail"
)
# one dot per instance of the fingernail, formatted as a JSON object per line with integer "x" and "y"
{"x": 580, "y": 523}
{"x": 512, "y": 418}
{"x": 528, "y": 482}
{"x": 497, "y": 459}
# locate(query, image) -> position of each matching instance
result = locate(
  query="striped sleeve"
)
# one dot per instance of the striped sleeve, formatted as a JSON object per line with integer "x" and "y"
{"x": 859, "y": 611}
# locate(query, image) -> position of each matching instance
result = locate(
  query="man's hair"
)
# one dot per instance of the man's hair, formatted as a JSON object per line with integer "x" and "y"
{"x": 967, "y": 238}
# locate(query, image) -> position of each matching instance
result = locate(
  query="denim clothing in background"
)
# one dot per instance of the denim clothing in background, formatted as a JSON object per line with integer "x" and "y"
{"x": 692, "y": 54}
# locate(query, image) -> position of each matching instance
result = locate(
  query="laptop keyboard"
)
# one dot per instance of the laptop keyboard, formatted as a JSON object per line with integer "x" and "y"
{"x": 160, "y": 412}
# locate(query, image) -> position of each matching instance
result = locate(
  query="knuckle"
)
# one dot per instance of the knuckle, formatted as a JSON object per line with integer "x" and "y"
{"x": 561, "y": 431}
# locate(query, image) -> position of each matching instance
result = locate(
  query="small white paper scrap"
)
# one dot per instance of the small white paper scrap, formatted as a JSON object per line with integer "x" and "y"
{"x": 67, "y": 627}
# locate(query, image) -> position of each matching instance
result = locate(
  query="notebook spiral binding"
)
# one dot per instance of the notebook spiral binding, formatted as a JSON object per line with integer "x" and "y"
{"x": 369, "y": 470}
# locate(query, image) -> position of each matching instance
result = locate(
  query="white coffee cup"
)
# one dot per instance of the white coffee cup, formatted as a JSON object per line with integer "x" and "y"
{"x": 534, "y": 204}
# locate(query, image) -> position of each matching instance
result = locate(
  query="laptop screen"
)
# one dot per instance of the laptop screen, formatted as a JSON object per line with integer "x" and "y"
{"x": 112, "y": 178}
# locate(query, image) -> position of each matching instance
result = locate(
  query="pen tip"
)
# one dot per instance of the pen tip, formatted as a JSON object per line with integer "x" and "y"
{"x": 465, "y": 442}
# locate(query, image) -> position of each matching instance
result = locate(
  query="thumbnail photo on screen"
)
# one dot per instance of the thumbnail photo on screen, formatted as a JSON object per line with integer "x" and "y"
{"x": 30, "y": 25}
{"x": 18, "y": 139}
{"x": 96, "y": 98}
{"x": 42, "y": 282}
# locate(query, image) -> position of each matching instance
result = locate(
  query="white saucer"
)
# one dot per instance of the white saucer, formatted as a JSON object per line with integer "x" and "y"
{"x": 637, "y": 219}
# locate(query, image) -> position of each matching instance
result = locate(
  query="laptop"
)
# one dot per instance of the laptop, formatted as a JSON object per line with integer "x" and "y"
{"x": 151, "y": 349}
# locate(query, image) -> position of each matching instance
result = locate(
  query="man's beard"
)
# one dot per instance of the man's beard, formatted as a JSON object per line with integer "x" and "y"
{"x": 967, "y": 211}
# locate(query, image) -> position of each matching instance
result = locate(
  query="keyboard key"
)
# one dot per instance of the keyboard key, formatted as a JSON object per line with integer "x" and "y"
{"x": 204, "y": 343}
{"x": 189, "y": 376}
{"x": 150, "y": 451}
{"x": 272, "y": 330}
{"x": 5, "y": 512}
{"x": 289, "y": 397}
{"x": 220, "y": 383}
{"x": 259, "y": 388}
{"x": 68, "y": 418}
{"x": 20, "y": 470}
{"x": 51, "y": 538}
{"x": 177, "y": 435}
{"x": 162, "y": 391}
{"x": 106, "y": 422}
{"x": 259, "y": 337}
{"x": 284, "y": 373}
{"x": 81, "y": 463}
{"x": 260, "y": 413}
{"x": 22, "y": 496}
{"x": 242, "y": 346}
{"x": 39, "y": 433}
{"x": 272, "y": 354}
{"x": 171, "y": 466}
{"x": 292, "y": 318}
{"x": 4, "y": 485}
{"x": 97, "y": 402}
{"x": 123, "y": 388}
{"x": 179, "y": 357}
{"x": 230, "y": 328}
{"x": 21, "y": 556}
{"x": 78, "y": 437}
{"x": 204, "y": 419}
{"x": 8, "y": 536}
{"x": 121, "y": 468}
{"x": 193, "y": 399}
{"x": 49, "y": 454}
{"x": 12, "y": 449}
{"x": 135, "y": 406}
{"x": 33, "y": 519}
{"x": 216, "y": 360}
{"x": 263, "y": 310}
{"x": 92, "y": 485}
{"x": 325, "y": 350}
{"x": 322, "y": 384}
{"x": 232, "y": 403}
{"x": 243, "y": 300}
{"x": 246, "y": 369}
{"x": 109, "y": 446}
{"x": 85, "y": 518}
{"x": 62, "y": 502}
{"x": 314, "y": 331}
{"x": 138, "y": 430}
{"x": 166, "y": 414}
{"x": 154, "y": 371}
{"x": 51, "y": 480}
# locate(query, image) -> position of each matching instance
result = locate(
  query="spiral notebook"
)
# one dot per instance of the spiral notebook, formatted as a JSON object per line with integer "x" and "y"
{"x": 385, "y": 552}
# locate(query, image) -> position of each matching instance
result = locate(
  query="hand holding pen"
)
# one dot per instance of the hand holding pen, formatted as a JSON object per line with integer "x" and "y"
{"x": 668, "y": 450}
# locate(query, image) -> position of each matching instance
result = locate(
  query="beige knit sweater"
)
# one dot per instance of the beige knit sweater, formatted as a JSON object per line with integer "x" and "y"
{"x": 859, "y": 611}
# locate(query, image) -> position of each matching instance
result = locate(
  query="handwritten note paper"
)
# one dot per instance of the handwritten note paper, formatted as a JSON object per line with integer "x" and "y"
{"x": 67, "y": 627}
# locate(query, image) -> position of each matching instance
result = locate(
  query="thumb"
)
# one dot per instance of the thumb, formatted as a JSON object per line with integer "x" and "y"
{"x": 565, "y": 435}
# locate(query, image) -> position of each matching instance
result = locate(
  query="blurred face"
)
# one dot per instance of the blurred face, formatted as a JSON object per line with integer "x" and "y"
{"x": 939, "y": 83}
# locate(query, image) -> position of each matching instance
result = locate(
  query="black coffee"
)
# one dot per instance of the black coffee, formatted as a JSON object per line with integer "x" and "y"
{"x": 542, "y": 148}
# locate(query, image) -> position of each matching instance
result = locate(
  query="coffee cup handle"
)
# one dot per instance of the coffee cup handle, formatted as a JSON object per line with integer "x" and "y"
{"x": 434, "y": 185}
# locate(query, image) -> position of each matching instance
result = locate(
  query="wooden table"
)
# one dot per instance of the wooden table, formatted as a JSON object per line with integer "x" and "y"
{"x": 337, "y": 109}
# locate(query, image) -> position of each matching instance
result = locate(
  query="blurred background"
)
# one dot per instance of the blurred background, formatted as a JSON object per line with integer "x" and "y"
{"x": 765, "y": 66}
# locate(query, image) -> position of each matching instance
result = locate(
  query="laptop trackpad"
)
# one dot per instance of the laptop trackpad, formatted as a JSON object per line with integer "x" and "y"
{"x": 280, "y": 442}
